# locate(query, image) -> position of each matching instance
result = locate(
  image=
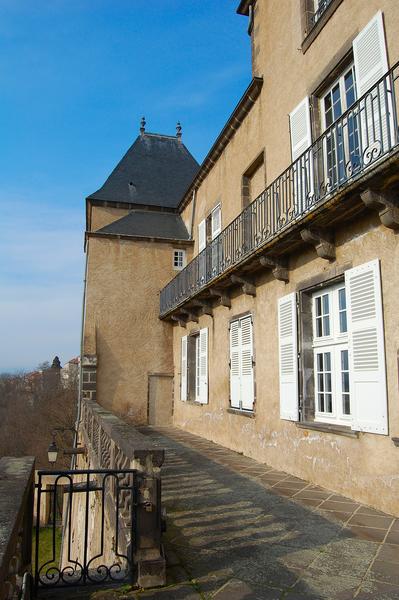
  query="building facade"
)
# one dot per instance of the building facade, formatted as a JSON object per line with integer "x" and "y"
{"x": 278, "y": 337}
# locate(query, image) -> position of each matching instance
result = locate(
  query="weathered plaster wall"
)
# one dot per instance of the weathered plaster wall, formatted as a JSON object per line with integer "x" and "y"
{"x": 289, "y": 76}
{"x": 122, "y": 307}
{"x": 104, "y": 215}
{"x": 363, "y": 468}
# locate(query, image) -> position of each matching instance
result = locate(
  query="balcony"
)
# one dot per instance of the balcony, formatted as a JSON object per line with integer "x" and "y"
{"x": 332, "y": 181}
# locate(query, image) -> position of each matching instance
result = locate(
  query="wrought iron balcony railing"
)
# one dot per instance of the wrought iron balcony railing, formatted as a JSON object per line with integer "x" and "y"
{"x": 365, "y": 134}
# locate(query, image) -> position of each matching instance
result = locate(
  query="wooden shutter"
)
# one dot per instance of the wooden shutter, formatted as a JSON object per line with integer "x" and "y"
{"x": 366, "y": 349}
{"x": 216, "y": 221}
{"x": 183, "y": 377}
{"x": 201, "y": 235}
{"x": 302, "y": 170}
{"x": 371, "y": 63}
{"x": 370, "y": 56}
{"x": 235, "y": 352}
{"x": 247, "y": 369}
{"x": 203, "y": 366}
{"x": 300, "y": 129}
{"x": 288, "y": 353}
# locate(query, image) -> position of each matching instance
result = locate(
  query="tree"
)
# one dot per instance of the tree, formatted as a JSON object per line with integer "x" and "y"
{"x": 32, "y": 405}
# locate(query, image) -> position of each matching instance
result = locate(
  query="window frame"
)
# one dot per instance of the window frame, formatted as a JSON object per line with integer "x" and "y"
{"x": 333, "y": 343}
{"x": 177, "y": 251}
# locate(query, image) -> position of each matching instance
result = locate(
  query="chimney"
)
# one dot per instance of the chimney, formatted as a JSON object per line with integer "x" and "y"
{"x": 178, "y": 131}
{"x": 142, "y": 126}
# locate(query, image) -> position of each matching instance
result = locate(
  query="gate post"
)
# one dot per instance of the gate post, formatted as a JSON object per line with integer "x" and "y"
{"x": 148, "y": 556}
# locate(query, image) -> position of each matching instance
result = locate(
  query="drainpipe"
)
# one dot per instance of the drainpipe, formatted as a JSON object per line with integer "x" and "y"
{"x": 193, "y": 213}
{"x": 73, "y": 460}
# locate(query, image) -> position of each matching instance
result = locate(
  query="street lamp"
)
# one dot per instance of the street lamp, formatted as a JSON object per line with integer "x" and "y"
{"x": 52, "y": 452}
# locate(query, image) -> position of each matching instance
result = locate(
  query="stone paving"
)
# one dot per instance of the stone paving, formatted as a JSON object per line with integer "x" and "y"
{"x": 239, "y": 530}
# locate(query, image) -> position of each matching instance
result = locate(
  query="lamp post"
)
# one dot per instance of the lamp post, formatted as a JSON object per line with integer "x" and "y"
{"x": 53, "y": 450}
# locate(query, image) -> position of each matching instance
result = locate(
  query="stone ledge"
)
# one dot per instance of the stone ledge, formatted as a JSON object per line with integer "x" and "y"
{"x": 327, "y": 428}
{"x": 131, "y": 442}
{"x": 241, "y": 413}
{"x": 16, "y": 483}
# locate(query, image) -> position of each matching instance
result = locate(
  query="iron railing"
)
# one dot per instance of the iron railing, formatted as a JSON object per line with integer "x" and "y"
{"x": 366, "y": 133}
{"x": 93, "y": 550}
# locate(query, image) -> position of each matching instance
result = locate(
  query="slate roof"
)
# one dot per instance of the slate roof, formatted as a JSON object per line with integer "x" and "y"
{"x": 149, "y": 223}
{"x": 156, "y": 171}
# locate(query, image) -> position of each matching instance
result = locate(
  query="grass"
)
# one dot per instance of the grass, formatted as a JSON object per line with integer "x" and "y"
{"x": 46, "y": 547}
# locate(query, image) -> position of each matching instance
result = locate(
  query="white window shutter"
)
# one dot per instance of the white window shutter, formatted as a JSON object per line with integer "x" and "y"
{"x": 302, "y": 170}
{"x": 183, "y": 377}
{"x": 371, "y": 63}
{"x": 370, "y": 56}
{"x": 247, "y": 369}
{"x": 216, "y": 221}
{"x": 300, "y": 129}
{"x": 366, "y": 349}
{"x": 203, "y": 366}
{"x": 201, "y": 235}
{"x": 235, "y": 354}
{"x": 288, "y": 353}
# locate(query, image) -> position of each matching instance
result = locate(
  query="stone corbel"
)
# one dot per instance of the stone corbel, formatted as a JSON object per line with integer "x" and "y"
{"x": 322, "y": 241}
{"x": 246, "y": 285}
{"x": 386, "y": 205}
{"x": 224, "y": 298}
{"x": 277, "y": 265}
{"x": 189, "y": 314}
{"x": 180, "y": 320}
{"x": 204, "y": 306}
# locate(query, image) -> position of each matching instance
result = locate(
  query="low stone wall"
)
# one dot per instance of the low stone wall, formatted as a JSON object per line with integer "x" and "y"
{"x": 16, "y": 513}
{"x": 113, "y": 444}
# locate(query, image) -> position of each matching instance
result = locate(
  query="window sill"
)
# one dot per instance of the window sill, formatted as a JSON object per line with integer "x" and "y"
{"x": 241, "y": 413}
{"x": 314, "y": 32}
{"x": 327, "y": 428}
{"x": 194, "y": 403}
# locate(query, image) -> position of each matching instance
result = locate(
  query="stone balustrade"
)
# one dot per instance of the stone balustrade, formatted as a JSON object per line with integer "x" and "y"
{"x": 113, "y": 444}
{"x": 16, "y": 513}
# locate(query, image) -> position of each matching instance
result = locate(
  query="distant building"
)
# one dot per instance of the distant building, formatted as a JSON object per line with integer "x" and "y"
{"x": 70, "y": 372}
{"x": 253, "y": 300}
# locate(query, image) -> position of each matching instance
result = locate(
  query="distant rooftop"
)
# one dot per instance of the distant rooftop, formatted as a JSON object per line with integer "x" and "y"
{"x": 156, "y": 170}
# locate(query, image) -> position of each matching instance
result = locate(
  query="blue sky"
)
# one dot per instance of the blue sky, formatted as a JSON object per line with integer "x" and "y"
{"x": 75, "y": 78}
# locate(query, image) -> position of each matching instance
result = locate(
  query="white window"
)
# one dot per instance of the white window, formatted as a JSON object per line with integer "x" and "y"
{"x": 179, "y": 259}
{"x": 216, "y": 221}
{"x": 342, "y": 147}
{"x": 331, "y": 358}
{"x": 241, "y": 364}
{"x": 347, "y": 343}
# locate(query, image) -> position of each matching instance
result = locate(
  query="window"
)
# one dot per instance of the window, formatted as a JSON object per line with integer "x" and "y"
{"x": 179, "y": 259}
{"x": 194, "y": 367}
{"x": 331, "y": 358}
{"x": 241, "y": 364}
{"x": 341, "y": 150}
{"x": 332, "y": 355}
{"x": 319, "y": 7}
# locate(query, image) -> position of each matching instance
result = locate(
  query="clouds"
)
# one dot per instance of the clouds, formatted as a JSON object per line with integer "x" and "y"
{"x": 41, "y": 274}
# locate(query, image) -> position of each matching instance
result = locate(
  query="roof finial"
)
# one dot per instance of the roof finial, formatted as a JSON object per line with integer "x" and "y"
{"x": 178, "y": 130}
{"x": 142, "y": 126}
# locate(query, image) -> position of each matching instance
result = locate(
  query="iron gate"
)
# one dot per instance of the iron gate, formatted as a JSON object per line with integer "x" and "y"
{"x": 95, "y": 543}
